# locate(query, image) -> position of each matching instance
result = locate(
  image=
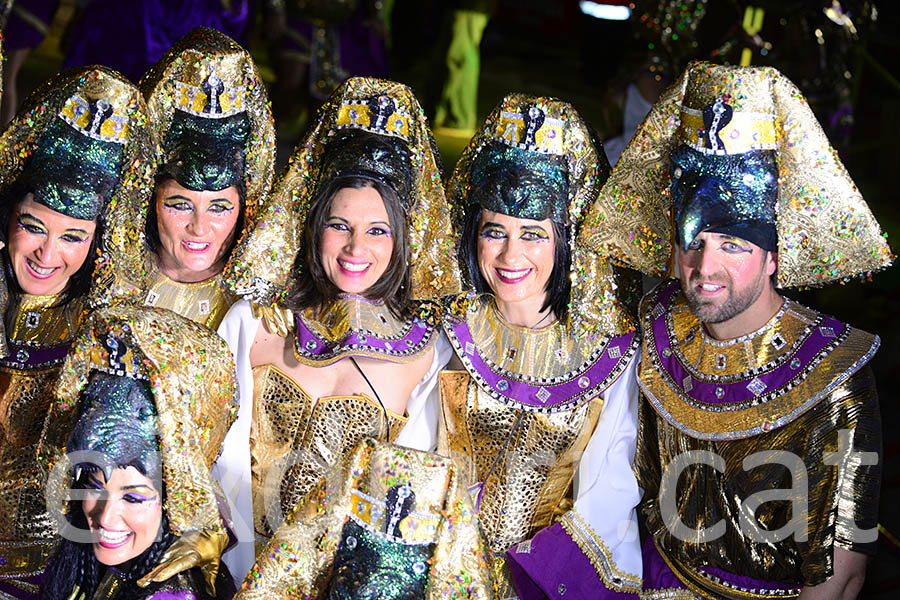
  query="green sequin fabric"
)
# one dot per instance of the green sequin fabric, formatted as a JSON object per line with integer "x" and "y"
{"x": 206, "y": 154}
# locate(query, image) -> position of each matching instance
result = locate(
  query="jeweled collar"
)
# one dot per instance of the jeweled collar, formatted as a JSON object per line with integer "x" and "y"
{"x": 738, "y": 388}
{"x": 355, "y": 326}
{"x": 541, "y": 370}
{"x": 40, "y": 330}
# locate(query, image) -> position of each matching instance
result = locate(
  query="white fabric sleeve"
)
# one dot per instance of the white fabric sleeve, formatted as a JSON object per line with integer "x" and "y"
{"x": 232, "y": 470}
{"x": 421, "y": 429}
{"x": 606, "y": 490}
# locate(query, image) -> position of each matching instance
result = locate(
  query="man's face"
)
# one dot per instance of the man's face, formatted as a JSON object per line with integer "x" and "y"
{"x": 723, "y": 276}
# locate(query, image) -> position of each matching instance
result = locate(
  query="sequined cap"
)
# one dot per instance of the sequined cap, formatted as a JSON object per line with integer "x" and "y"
{"x": 190, "y": 373}
{"x": 211, "y": 117}
{"x": 535, "y": 158}
{"x": 369, "y": 155}
{"x": 260, "y": 266}
{"x": 120, "y": 422}
{"x": 825, "y": 231}
{"x": 80, "y": 144}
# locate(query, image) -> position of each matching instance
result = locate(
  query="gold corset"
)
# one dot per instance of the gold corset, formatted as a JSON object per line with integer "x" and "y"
{"x": 26, "y": 531}
{"x": 295, "y": 439}
{"x": 530, "y": 486}
{"x": 204, "y": 302}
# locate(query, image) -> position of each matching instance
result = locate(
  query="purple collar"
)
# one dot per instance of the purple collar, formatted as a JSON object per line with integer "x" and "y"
{"x": 581, "y": 384}
{"x": 400, "y": 345}
{"x": 760, "y": 395}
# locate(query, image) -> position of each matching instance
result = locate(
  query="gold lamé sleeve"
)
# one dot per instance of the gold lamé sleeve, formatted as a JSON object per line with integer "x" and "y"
{"x": 646, "y": 468}
{"x": 843, "y": 495}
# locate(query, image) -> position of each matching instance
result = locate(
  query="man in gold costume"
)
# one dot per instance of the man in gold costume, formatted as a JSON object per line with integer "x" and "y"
{"x": 759, "y": 440}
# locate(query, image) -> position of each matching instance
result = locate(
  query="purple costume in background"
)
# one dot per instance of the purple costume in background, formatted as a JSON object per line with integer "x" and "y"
{"x": 28, "y": 23}
{"x": 130, "y": 36}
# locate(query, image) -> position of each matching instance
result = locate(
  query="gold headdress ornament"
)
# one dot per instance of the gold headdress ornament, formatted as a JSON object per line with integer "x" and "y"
{"x": 384, "y": 499}
{"x": 544, "y": 130}
{"x": 260, "y": 267}
{"x": 209, "y": 76}
{"x": 94, "y": 117}
{"x": 191, "y": 374}
{"x": 825, "y": 230}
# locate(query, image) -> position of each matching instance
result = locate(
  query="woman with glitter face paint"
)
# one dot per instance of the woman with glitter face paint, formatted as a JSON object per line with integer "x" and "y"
{"x": 353, "y": 242}
{"x": 147, "y": 397}
{"x": 209, "y": 111}
{"x": 73, "y": 180}
{"x": 540, "y": 411}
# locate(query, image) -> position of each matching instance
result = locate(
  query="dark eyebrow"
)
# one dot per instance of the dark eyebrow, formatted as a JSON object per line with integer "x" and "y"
{"x": 492, "y": 224}
{"x": 74, "y": 230}
{"x": 178, "y": 197}
{"x": 385, "y": 223}
{"x": 538, "y": 227}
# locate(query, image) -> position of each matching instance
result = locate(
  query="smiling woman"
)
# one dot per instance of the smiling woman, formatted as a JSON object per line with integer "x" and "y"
{"x": 133, "y": 486}
{"x": 69, "y": 187}
{"x": 215, "y": 132}
{"x": 542, "y": 406}
{"x": 343, "y": 328}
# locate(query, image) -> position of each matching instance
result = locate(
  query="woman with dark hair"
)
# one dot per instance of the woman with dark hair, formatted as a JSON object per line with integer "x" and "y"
{"x": 146, "y": 399}
{"x": 70, "y": 190}
{"x": 212, "y": 121}
{"x": 339, "y": 268}
{"x": 542, "y": 408}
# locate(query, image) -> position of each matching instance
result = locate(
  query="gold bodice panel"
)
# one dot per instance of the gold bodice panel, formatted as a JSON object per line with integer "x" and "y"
{"x": 33, "y": 324}
{"x": 530, "y": 485}
{"x": 204, "y": 302}
{"x": 295, "y": 439}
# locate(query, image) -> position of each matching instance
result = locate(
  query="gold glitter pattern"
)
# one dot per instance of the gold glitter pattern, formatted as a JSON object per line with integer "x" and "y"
{"x": 187, "y": 65}
{"x": 295, "y": 439}
{"x": 826, "y": 231}
{"x": 838, "y": 495}
{"x": 353, "y": 315}
{"x": 738, "y": 362}
{"x": 297, "y": 562}
{"x": 204, "y": 302}
{"x": 594, "y": 306}
{"x": 122, "y": 266}
{"x": 530, "y": 486}
{"x": 260, "y": 266}
{"x": 27, "y": 532}
{"x": 191, "y": 373}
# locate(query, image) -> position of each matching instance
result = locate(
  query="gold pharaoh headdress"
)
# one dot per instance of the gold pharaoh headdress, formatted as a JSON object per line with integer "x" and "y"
{"x": 260, "y": 267}
{"x": 385, "y": 496}
{"x": 826, "y": 232}
{"x": 546, "y": 129}
{"x": 209, "y": 76}
{"x": 95, "y": 116}
{"x": 191, "y": 374}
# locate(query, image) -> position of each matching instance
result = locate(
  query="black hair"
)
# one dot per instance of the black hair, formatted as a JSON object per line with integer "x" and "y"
{"x": 75, "y": 564}
{"x": 313, "y": 289}
{"x": 80, "y": 282}
{"x": 558, "y": 285}
{"x": 151, "y": 225}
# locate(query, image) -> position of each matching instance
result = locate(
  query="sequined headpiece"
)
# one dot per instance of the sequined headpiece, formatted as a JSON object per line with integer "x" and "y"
{"x": 535, "y": 158}
{"x": 211, "y": 116}
{"x": 738, "y": 150}
{"x": 362, "y": 154}
{"x": 120, "y": 422}
{"x": 359, "y": 112}
{"x": 80, "y": 144}
{"x": 190, "y": 373}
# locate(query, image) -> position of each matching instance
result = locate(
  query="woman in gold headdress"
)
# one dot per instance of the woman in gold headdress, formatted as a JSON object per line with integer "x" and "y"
{"x": 355, "y": 238}
{"x": 74, "y": 175}
{"x": 141, "y": 410}
{"x": 541, "y": 415}
{"x": 210, "y": 115}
